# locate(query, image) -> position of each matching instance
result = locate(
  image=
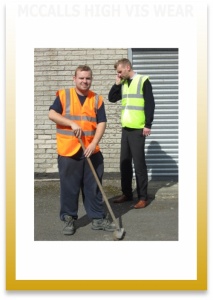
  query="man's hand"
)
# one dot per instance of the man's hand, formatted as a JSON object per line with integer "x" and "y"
{"x": 89, "y": 150}
{"x": 146, "y": 131}
{"x": 76, "y": 129}
{"x": 117, "y": 80}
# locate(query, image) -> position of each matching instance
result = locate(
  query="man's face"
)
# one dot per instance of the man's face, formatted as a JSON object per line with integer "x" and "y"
{"x": 83, "y": 81}
{"x": 123, "y": 71}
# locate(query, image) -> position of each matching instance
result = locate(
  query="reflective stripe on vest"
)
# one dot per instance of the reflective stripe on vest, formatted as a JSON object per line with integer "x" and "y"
{"x": 77, "y": 118}
{"x": 67, "y": 143}
{"x": 71, "y": 133}
{"x": 132, "y": 113}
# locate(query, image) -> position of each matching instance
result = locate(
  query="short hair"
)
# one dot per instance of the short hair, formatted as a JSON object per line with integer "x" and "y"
{"x": 83, "y": 68}
{"x": 124, "y": 62}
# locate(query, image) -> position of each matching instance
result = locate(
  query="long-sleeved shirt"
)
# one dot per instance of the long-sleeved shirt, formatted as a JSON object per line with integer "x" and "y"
{"x": 149, "y": 107}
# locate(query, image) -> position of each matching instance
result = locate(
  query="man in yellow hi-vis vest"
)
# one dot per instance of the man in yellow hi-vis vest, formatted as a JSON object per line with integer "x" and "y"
{"x": 79, "y": 113}
{"x": 135, "y": 92}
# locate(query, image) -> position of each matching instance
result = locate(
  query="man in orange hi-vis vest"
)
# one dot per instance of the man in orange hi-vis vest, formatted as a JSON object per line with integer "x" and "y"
{"x": 80, "y": 113}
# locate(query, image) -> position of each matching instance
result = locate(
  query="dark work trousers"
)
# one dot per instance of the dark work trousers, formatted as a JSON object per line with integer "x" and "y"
{"x": 75, "y": 176}
{"x": 132, "y": 148}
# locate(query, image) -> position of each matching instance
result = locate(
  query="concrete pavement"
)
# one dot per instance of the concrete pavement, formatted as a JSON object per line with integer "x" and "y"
{"x": 156, "y": 222}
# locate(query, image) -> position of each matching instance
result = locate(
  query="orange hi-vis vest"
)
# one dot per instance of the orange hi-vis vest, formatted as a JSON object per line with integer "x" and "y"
{"x": 84, "y": 115}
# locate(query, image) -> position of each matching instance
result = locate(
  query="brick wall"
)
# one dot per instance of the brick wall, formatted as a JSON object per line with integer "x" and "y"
{"x": 53, "y": 70}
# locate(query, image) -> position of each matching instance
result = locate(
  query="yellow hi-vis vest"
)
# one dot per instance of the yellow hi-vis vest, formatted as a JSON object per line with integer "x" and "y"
{"x": 84, "y": 116}
{"x": 132, "y": 113}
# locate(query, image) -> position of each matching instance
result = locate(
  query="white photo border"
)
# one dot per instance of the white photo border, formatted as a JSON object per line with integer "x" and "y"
{"x": 32, "y": 17}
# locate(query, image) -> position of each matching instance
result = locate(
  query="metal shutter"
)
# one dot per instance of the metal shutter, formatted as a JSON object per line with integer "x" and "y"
{"x": 161, "y": 65}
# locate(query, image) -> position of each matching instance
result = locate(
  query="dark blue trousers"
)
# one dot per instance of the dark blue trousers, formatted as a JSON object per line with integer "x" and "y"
{"x": 132, "y": 148}
{"x": 75, "y": 176}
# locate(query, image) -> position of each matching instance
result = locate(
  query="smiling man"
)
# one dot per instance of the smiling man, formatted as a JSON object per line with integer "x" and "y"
{"x": 80, "y": 113}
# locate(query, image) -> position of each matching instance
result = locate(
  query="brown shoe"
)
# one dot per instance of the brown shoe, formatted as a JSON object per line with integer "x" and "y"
{"x": 141, "y": 204}
{"x": 122, "y": 199}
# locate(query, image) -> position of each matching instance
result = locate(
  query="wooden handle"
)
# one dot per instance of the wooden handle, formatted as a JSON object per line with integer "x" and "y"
{"x": 100, "y": 186}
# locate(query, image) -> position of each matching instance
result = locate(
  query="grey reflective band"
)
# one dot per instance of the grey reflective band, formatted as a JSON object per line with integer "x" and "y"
{"x": 131, "y": 107}
{"x": 136, "y": 96}
{"x": 96, "y": 103}
{"x": 79, "y": 118}
{"x": 65, "y": 132}
{"x": 67, "y": 91}
{"x": 90, "y": 119}
{"x": 139, "y": 85}
{"x": 71, "y": 133}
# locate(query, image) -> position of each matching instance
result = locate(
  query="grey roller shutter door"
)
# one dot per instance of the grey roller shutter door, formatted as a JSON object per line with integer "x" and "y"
{"x": 161, "y": 65}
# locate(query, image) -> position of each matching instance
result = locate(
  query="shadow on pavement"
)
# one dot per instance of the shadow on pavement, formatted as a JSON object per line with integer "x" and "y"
{"x": 123, "y": 208}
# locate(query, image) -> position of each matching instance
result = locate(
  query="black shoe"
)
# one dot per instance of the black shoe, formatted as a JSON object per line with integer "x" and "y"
{"x": 122, "y": 199}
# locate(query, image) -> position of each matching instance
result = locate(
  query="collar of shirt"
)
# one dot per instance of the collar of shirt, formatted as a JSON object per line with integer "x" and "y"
{"x": 130, "y": 79}
{"x": 135, "y": 73}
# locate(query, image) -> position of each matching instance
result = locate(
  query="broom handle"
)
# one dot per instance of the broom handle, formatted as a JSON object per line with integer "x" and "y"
{"x": 100, "y": 186}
